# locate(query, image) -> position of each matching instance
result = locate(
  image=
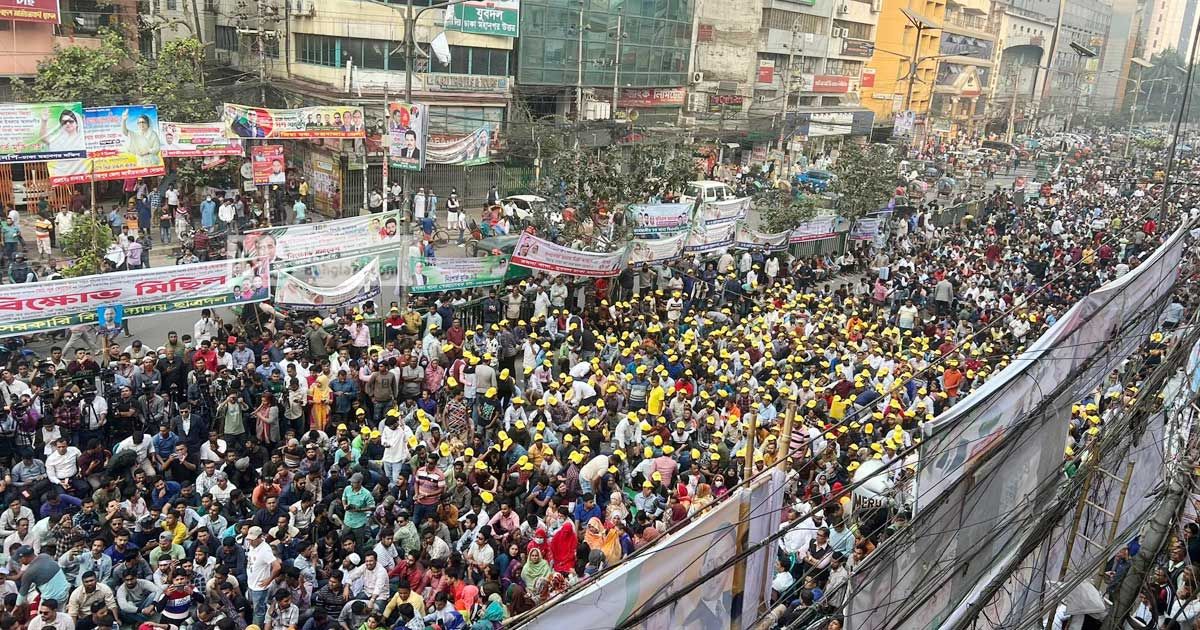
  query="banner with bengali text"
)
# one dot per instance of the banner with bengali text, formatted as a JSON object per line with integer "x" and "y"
{"x": 34, "y": 132}
{"x": 659, "y": 219}
{"x": 198, "y": 140}
{"x": 464, "y": 150}
{"x": 428, "y": 275}
{"x": 322, "y": 121}
{"x": 814, "y": 229}
{"x": 753, "y": 239}
{"x": 538, "y": 253}
{"x": 42, "y": 306}
{"x": 709, "y": 238}
{"x": 122, "y": 142}
{"x": 729, "y": 210}
{"x": 645, "y": 251}
{"x": 866, "y": 229}
{"x": 362, "y": 286}
{"x": 408, "y": 126}
{"x": 312, "y": 242}
{"x": 493, "y": 17}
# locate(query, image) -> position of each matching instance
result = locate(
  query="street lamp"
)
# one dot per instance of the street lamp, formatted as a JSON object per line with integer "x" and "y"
{"x": 922, "y": 24}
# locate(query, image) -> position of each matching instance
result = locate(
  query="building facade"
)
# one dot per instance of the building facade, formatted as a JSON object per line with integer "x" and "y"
{"x": 965, "y": 68}
{"x": 1022, "y": 47}
{"x": 893, "y": 90}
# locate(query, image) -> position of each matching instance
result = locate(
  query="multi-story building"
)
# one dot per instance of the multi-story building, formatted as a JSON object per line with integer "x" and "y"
{"x": 1022, "y": 48}
{"x": 813, "y": 62}
{"x": 573, "y": 57}
{"x": 724, "y": 68}
{"x": 1113, "y": 82}
{"x": 349, "y": 52}
{"x": 964, "y": 71}
{"x": 1165, "y": 27}
{"x": 893, "y": 91}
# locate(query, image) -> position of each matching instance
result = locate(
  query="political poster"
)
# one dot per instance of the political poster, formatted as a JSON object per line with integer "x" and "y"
{"x": 122, "y": 142}
{"x": 268, "y": 164}
{"x": 407, "y": 125}
{"x": 464, "y": 150}
{"x": 323, "y": 121}
{"x": 710, "y": 238}
{"x": 753, "y": 239}
{"x": 36, "y": 132}
{"x": 43, "y": 11}
{"x": 814, "y": 229}
{"x": 659, "y": 219}
{"x": 53, "y": 304}
{"x": 362, "y": 286}
{"x": 198, "y": 140}
{"x": 727, "y": 211}
{"x": 428, "y": 275}
{"x": 866, "y": 229}
{"x": 490, "y": 17}
{"x": 325, "y": 240}
{"x": 538, "y": 253}
{"x": 645, "y": 251}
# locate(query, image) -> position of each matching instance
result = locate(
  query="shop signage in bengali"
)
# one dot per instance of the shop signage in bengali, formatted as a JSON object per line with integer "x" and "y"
{"x": 36, "y": 132}
{"x": 465, "y": 83}
{"x": 753, "y": 239}
{"x": 312, "y": 242}
{"x": 538, "y": 253}
{"x": 493, "y": 17}
{"x": 707, "y": 238}
{"x": 198, "y": 140}
{"x": 766, "y": 71}
{"x": 269, "y": 166}
{"x": 727, "y": 211}
{"x": 123, "y": 142}
{"x": 866, "y": 229}
{"x": 362, "y": 286}
{"x": 868, "y": 78}
{"x": 324, "y": 121}
{"x": 658, "y": 219}
{"x": 44, "y": 11}
{"x": 718, "y": 102}
{"x": 652, "y": 97}
{"x": 53, "y": 304}
{"x": 470, "y": 149}
{"x": 644, "y": 251}
{"x": 830, "y": 84}
{"x": 814, "y": 229}
{"x": 857, "y": 47}
{"x": 407, "y": 125}
{"x": 428, "y": 275}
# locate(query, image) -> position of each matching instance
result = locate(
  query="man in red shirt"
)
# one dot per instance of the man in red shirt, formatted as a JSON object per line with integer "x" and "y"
{"x": 429, "y": 486}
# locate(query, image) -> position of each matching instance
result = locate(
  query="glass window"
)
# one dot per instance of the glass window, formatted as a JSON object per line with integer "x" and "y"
{"x": 374, "y": 53}
{"x": 317, "y": 49}
{"x": 227, "y": 38}
{"x": 396, "y": 57}
{"x": 499, "y": 63}
{"x": 480, "y": 61}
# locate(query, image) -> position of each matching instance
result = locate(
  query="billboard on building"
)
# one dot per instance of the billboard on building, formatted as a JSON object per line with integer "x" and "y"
{"x": 652, "y": 97}
{"x": 44, "y": 11}
{"x": 322, "y": 121}
{"x": 35, "y": 132}
{"x": 122, "y": 142}
{"x": 493, "y": 17}
{"x": 408, "y": 131}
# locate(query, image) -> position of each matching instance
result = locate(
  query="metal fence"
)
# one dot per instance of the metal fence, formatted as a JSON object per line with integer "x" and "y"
{"x": 471, "y": 182}
{"x": 948, "y": 217}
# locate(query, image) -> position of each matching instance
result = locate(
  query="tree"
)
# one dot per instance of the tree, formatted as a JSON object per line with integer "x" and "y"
{"x": 866, "y": 179}
{"x": 781, "y": 211}
{"x": 95, "y": 76}
{"x": 175, "y": 82}
{"x": 86, "y": 244}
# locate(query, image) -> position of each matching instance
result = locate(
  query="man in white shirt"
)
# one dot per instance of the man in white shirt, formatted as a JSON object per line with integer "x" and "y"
{"x": 9, "y": 519}
{"x": 140, "y": 443}
{"x": 62, "y": 465}
{"x": 374, "y": 581}
{"x": 262, "y": 567}
{"x": 48, "y": 616}
{"x": 206, "y": 328}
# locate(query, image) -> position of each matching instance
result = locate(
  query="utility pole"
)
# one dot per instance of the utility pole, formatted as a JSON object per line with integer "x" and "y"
{"x": 787, "y": 82}
{"x": 1183, "y": 104}
{"x": 617, "y": 67}
{"x": 262, "y": 55}
{"x": 1012, "y": 107}
{"x": 579, "y": 74}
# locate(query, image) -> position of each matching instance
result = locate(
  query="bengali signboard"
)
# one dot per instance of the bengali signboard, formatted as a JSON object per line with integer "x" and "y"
{"x": 464, "y": 150}
{"x": 644, "y": 251}
{"x": 324, "y": 121}
{"x": 268, "y": 164}
{"x": 753, "y": 239}
{"x": 708, "y": 238}
{"x": 857, "y": 47}
{"x": 312, "y": 242}
{"x": 198, "y": 140}
{"x": 814, "y": 230}
{"x": 658, "y": 219}
{"x": 494, "y": 17}
{"x": 407, "y": 128}
{"x": 538, "y": 253}
{"x": 122, "y": 142}
{"x": 721, "y": 102}
{"x": 41, "y": 306}
{"x": 866, "y": 229}
{"x": 651, "y": 97}
{"x": 44, "y": 11}
{"x": 429, "y": 275}
{"x": 362, "y": 286}
{"x": 824, "y": 83}
{"x": 727, "y": 211}
{"x": 41, "y": 131}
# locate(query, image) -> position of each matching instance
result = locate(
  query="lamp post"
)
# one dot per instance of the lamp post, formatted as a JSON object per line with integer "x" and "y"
{"x": 922, "y": 24}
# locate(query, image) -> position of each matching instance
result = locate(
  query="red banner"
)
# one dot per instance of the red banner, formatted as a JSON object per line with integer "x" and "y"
{"x": 45, "y": 11}
{"x": 831, "y": 84}
{"x": 269, "y": 165}
{"x": 766, "y": 73}
{"x": 868, "y": 77}
{"x": 652, "y": 97}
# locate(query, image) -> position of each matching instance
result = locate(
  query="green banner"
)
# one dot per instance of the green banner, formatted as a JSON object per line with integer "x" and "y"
{"x": 428, "y": 275}
{"x": 498, "y": 17}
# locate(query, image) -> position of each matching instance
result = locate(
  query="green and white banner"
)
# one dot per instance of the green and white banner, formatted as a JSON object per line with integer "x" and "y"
{"x": 429, "y": 275}
{"x": 494, "y": 17}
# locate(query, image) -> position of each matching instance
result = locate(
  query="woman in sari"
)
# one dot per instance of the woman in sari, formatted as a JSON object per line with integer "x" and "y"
{"x": 266, "y": 420}
{"x": 320, "y": 395}
{"x": 704, "y": 498}
{"x": 562, "y": 548}
{"x": 536, "y": 567}
{"x": 604, "y": 540}
{"x": 617, "y": 510}
{"x": 493, "y": 614}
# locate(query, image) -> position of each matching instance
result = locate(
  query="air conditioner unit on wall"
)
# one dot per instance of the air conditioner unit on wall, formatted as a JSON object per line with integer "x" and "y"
{"x": 844, "y": 9}
{"x": 697, "y": 77}
{"x": 304, "y": 8}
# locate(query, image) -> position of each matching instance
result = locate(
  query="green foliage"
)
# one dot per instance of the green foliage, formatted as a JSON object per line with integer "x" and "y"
{"x": 780, "y": 211}
{"x": 96, "y": 76}
{"x": 85, "y": 244}
{"x": 175, "y": 82}
{"x": 866, "y": 179}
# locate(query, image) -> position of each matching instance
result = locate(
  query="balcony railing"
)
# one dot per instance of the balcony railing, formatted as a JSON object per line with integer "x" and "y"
{"x": 84, "y": 23}
{"x": 973, "y": 22}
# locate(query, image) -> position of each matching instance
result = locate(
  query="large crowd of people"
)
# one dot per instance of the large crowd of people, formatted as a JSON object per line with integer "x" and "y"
{"x": 459, "y": 463}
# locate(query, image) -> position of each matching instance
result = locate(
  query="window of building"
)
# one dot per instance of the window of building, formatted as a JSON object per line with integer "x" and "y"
{"x": 445, "y": 119}
{"x": 172, "y": 5}
{"x": 843, "y": 67}
{"x": 787, "y": 20}
{"x": 472, "y": 60}
{"x": 210, "y": 6}
{"x": 320, "y": 50}
{"x": 854, "y": 30}
{"x": 227, "y": 38}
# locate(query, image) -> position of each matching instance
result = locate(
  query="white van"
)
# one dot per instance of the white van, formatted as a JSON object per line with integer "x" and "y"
{"x": 706, "y": 191}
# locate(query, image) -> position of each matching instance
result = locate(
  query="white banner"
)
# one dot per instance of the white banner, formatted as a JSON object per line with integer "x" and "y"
{"x": 866, "y": 229}
{"x": 709, "y": 238}
{"x": 362, "y": 286}
{"x": 659, "y": 219}
{"x": 729, "y": 210}
{"x": 538, "y": 253}
{"x": 814, "y": 229}
{"x": 753, "y": 239}
{"x": 324, "y": 240}
{"x": 644, "y": 251}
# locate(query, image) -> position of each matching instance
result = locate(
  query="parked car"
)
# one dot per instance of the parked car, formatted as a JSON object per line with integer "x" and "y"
{"x": 816, "y": 179}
